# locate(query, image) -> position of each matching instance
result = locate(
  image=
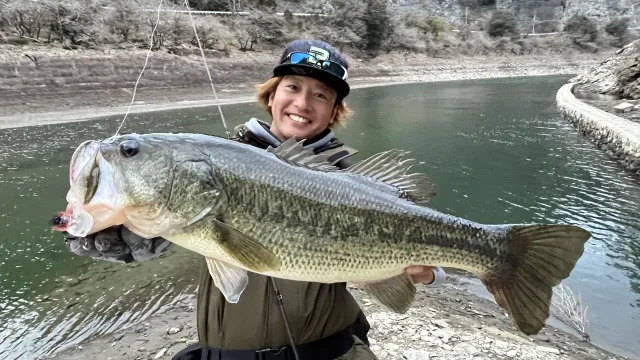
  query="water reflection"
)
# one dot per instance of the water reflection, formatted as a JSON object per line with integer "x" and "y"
{"x": 496, "y": 150}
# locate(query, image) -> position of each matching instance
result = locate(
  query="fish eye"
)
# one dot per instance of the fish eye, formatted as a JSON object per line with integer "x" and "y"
{"x": 129, "y": 148}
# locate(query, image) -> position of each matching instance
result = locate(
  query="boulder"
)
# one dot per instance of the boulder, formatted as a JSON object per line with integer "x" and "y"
{"x": 623, "y": 107}
{"x": 618, "y": 75}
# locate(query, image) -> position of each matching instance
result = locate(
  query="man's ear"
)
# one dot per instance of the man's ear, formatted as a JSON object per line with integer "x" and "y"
{"x": 271, "y": 99}
{"x": 334, "y": 113}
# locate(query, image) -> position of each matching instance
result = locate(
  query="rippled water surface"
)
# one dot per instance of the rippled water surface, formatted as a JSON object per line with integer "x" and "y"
{"x": 496, "y": 150}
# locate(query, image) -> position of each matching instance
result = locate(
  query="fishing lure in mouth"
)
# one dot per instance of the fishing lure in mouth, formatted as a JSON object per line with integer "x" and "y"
{"x": 77, "y": 223}
{"x": 60, "y": 222}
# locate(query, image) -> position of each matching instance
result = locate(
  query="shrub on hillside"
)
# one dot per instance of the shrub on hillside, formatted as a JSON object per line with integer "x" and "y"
{"x": 437, "y": 25}
{"x": 581, "y": 29}
{"x": 503, "y": 23}
{"x": 618, "y": 28}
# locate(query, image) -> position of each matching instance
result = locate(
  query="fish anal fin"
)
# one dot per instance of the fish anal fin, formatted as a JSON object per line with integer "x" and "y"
{"x": 246, "y": 250}
{"x": 390, "y": 167}
{"x": 231, "y": 280}
{"x": 294, "y": 153}
{"x": 396, "y": 293}
{"x": 541, "y": 256}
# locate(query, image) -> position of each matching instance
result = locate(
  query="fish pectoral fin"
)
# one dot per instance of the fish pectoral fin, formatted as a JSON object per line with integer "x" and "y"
{"x": 246, "y": 250}
{"x": 390, "y": 167}
{"x": 231, "y": 280}
{"x": 292, "y": 152}
{"x": 396, "y": 293}
{"x": 540, "y": 257}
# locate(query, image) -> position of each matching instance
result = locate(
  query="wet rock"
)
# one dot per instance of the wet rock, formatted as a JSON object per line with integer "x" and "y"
{"x": 174, "y": 330}
{"x": 68, "y": 280}
{"x": 623, "y": 107}
{"x": 70, "y": 304}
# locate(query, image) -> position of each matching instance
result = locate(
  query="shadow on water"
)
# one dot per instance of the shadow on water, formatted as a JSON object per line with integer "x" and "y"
{"x": 496, "y": 150}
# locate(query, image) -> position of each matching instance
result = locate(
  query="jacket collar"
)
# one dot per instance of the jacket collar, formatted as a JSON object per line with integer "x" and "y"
{"x": 261, "y": 129}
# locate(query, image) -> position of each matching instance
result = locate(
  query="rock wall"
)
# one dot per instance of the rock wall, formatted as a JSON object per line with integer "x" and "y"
{"x": 619, "y": 137}
{"x": 547, "y": 12}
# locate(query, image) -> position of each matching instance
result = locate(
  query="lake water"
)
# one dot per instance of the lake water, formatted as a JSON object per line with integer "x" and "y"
{"x": 497, "y": 151}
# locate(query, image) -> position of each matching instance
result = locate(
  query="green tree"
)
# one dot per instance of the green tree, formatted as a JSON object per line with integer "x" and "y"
{"x": 437, "y": 25}
{"x": 503, "y": 23}
{"x": 581, "y": 29}
{"x": 617, "y": 27}
{"x": 377, "y": 25}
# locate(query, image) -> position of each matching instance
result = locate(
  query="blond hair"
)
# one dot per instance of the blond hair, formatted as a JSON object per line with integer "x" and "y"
{"x": 264, "y": 91}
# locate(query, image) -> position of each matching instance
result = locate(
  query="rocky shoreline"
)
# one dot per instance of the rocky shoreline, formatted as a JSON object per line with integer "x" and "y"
{"x": 445, "y": 323}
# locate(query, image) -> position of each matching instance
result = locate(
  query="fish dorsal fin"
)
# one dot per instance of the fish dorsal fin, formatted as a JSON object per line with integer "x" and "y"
{"x": 390, "y": 167}
{"x": 292, "y": 152}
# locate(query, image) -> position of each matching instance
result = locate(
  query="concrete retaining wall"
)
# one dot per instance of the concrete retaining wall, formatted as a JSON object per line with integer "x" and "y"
{"x": 617, "y": 136}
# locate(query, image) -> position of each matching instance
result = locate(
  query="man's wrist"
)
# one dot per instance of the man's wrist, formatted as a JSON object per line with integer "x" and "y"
{"x": 439, "y": 277}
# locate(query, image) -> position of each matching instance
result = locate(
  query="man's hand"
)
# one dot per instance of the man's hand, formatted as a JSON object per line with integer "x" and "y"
{"x": 421, "y": 274}
{"x": 117, "y": 244}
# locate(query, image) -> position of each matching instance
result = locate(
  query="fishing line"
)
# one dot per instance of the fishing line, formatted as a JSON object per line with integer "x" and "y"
{"x": 135, "y": 87}
{"x": 204, "y": 59}
{"x": 146, "y": 61}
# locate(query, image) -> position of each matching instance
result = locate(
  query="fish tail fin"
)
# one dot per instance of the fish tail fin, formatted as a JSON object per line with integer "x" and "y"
{"x": 540, "y": 257}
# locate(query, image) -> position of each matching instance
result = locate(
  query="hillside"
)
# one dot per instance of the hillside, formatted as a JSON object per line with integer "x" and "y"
{"x": 51, "y": 51}
{"x": 370, "y": 27}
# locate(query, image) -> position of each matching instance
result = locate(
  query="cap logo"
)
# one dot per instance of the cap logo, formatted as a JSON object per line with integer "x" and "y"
{"x": 319, "y": 53}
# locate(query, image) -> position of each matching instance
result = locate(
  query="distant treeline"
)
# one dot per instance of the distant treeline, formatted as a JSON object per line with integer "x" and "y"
{"x": 366, "y": 26}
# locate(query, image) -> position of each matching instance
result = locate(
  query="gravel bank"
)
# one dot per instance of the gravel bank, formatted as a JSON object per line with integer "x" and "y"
{"x": 445, "y": 323}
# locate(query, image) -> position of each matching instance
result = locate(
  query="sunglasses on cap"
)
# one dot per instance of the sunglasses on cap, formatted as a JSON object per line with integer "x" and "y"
{"x": 326, "y": 65}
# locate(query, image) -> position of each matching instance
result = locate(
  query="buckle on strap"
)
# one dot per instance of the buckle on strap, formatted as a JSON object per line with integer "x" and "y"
{"x": 273, "y": 354}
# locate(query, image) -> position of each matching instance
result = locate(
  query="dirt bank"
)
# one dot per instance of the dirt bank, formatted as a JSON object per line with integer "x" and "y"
{"x": 444, "y": 323}
{"x": 65, "y": 86}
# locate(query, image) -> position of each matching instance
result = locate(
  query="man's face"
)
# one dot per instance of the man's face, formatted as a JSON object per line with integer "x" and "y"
{"x": 301, "y": 107}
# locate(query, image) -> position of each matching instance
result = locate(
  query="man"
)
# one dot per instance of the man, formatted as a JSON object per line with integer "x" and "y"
{"x": 305, "y": 99}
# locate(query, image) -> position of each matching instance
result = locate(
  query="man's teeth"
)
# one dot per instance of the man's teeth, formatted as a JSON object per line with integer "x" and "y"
{"x": 299, "y": 119}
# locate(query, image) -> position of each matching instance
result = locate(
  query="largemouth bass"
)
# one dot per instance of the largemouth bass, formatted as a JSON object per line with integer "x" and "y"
{"x": 287, "y": 213}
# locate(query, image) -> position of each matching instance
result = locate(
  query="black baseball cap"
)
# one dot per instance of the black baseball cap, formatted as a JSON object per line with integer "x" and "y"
{"x": 316, "y": 59}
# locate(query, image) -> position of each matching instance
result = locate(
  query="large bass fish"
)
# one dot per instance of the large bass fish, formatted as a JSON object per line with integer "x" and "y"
{"x": 287, "y": 213}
